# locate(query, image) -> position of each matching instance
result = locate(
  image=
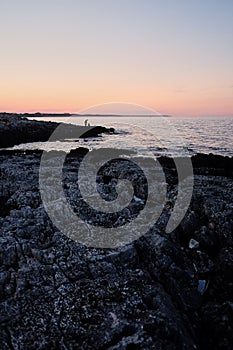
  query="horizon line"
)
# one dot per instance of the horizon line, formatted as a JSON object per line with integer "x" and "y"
{"x": 68, "y": 114}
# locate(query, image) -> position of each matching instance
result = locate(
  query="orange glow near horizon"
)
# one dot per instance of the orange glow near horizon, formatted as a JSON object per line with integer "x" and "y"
{"x": 178, "y": 104}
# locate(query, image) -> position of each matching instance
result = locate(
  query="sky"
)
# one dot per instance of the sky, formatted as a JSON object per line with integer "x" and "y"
{"x": 174, "y": 56}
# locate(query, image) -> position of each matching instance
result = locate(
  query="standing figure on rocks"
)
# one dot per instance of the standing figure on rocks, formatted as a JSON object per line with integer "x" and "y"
{"x": 85, "y": 122}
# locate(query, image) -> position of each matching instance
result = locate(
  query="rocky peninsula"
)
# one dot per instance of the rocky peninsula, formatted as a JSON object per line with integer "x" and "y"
{"x": 162, "y": 291}
{"x": 16, "y": 129}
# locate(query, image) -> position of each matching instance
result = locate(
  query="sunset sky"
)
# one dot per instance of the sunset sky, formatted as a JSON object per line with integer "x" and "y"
{"x": 175, "y": 56}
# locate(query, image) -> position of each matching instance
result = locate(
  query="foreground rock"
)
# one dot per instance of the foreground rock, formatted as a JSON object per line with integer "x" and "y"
{"x": 155, "y": 293}
{"x": 16, "y": 129}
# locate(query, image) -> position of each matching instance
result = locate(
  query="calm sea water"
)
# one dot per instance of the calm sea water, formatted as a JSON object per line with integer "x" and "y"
{"x": 157, "y": 135}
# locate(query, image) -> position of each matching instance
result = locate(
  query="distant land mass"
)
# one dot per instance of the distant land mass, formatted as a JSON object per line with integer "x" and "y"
{"x": 120, "y": 115}
{"x": 37, "y": 114}
{"x": 68, "y": 115}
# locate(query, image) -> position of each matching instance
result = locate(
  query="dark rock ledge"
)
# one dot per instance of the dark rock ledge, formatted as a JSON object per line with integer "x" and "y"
{"x": 160, "y": 292}
{"x": 16, "y": 129}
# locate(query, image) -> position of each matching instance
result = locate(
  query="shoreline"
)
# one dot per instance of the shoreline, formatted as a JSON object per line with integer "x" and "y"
{"x": 168, "y": 289}
{"x": 203, "y": 164}
{"x": 16, "y": 129}
{"x": 183, "y": 276}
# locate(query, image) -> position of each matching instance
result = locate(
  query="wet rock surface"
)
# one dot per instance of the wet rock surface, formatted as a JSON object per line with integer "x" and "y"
{"x": 154, "y": 293}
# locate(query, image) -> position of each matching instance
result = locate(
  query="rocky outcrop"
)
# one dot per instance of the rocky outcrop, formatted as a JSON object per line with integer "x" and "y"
{"x": 16, "y": 129}
{"x": 159, "y": 292}
{"x": 205, "y": 164}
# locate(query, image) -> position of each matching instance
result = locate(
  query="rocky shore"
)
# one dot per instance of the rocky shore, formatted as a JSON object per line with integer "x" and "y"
{"x": 163, "y": 291}
{"x": 16, "y": 129}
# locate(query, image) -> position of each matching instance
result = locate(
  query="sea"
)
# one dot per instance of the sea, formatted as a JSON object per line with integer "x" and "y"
{"x": 157, "y": 135}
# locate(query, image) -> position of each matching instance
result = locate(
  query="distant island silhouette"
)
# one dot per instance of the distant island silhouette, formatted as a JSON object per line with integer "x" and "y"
{"x": 68, "y": 115}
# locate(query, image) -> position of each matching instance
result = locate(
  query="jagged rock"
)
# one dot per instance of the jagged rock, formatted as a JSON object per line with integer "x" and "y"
{"x": 151, "y": 294}
{"x": 193, "y": 244}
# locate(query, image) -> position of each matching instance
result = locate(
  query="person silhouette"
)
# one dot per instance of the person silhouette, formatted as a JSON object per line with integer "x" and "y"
{"x": 85, "y": 122}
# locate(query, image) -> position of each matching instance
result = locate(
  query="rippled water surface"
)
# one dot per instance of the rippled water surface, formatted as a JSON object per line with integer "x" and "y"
{"x": 159, "y": 135}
